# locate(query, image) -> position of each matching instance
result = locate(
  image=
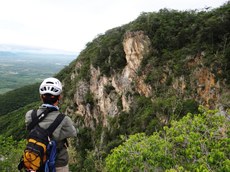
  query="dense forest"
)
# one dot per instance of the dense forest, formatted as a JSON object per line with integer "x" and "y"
{"x": 173, "y": 126}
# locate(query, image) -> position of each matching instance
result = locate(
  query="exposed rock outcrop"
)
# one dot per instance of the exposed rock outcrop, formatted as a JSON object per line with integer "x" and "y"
{"x": 114, "y": 94}
{"x": 136, "y": 45}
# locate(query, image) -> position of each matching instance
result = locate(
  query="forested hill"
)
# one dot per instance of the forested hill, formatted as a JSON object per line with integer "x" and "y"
{"x": 150, "y": 76}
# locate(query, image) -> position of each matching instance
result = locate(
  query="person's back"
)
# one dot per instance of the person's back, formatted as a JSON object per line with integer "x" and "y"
{"x": 50, "y": 90}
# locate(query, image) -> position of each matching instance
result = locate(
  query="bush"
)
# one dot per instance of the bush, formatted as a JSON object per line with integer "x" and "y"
{"x": 198, "y": 142}
{"x": 10, "y": 153}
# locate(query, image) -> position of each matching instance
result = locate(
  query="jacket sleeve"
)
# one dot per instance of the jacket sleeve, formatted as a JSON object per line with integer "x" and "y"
{"x": 67, "y": 129}
{"x": 28, "y": 118}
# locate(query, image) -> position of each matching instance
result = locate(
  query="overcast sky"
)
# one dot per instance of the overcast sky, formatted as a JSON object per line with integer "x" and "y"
{"x": 70, "y": 24}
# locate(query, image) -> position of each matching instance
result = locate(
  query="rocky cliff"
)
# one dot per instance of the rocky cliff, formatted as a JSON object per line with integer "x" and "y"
{"x": 108, "y": 91}
{"x": 138, "y": 77}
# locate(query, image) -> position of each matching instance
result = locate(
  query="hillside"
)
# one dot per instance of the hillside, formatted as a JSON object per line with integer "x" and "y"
{"x": 139, "y": 77}
{"x": 18, "y": 98}
{"x": 142, "y": 76}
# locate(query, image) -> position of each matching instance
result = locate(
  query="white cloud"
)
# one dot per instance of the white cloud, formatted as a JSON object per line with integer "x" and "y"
{"x": 70, "y": 24}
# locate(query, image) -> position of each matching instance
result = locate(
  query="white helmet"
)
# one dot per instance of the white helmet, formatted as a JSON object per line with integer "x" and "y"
{"x": 51, "y": 86}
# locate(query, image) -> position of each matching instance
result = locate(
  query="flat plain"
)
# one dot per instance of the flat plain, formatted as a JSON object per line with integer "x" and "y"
{"x": 19, "y": 69}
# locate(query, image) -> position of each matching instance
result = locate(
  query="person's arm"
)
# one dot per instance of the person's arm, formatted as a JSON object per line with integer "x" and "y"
{"x": 68, "y": 129}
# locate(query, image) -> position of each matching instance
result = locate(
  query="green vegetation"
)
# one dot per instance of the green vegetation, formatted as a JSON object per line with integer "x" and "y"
{"x": 13, "y": 123}
{"x": 197, "y": 142}
{"x": 177, "y": 35}
{"x": 18, "y": 98}
{"x": 10, "y": 153}
{"x": 12, "y": 137}
{"x": 109, "y": 56}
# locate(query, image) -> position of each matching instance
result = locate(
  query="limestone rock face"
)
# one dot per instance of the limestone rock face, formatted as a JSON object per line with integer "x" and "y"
{"x": 114, "y": 94}
{"x": 110, "y": 93}
{"x": 202, "y": 81}
{"x": 136, "y": 44}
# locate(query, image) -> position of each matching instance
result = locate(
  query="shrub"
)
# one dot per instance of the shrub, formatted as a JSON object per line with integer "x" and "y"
{"x": 10, "y": 153}
{"x": 198, "y": 142}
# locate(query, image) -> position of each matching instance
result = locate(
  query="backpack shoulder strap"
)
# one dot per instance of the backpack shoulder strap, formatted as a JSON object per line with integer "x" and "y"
{"x": 34, "y": 120}
{"x": 38, "y": 118}
{"x": 55, "y": 124}
{"x": 34, "y": 116}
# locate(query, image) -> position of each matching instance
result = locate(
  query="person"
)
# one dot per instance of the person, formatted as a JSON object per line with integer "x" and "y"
{"x": 50, "y": 92}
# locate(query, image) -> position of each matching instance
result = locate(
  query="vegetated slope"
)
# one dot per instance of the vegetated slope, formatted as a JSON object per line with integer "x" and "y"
{"x": 13, "y": 123}
{"x": 18, "y": 98}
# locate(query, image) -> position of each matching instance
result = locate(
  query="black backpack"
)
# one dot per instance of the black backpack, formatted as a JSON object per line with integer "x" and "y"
{"x": 40, "y": 148}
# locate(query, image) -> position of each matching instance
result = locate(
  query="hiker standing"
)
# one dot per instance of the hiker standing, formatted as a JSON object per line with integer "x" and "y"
{"x": 50, "y": 90}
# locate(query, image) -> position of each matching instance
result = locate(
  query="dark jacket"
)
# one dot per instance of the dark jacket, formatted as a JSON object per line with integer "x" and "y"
{"x": 65, "y": 130}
